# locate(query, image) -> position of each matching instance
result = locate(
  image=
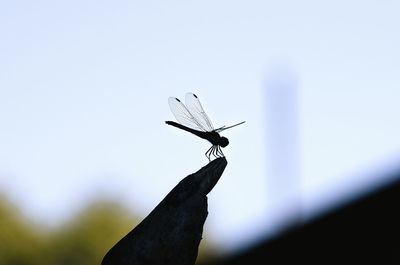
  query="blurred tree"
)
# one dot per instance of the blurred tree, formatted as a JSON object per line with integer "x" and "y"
{"x": 84, "y": 240}
{"x": 87, "y": 238}
{"x": 20, "y": 241}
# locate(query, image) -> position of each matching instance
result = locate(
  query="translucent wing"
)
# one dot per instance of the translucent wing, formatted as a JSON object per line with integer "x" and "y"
{"x": 194, "y": 106}
{"x": 183, "y": 115}
{"x": 223, "y": 128}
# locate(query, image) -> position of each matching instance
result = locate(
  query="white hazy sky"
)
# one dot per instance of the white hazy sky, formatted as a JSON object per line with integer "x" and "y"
{"x": 84, "y": 88}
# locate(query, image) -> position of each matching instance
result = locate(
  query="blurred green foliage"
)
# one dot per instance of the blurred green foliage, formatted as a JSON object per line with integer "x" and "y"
{"x": 83, "y": 240}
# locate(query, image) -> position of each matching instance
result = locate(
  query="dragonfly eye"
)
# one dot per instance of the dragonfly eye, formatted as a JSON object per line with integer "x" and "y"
{"x": 224, "y": 142}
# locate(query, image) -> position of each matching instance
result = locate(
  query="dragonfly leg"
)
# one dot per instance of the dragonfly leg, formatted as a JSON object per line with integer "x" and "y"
{"x": 219, "y": 151}
{"x": 208, "y": 153}
{"x": 213, "y": 150}
{"x": 216, "y": 151}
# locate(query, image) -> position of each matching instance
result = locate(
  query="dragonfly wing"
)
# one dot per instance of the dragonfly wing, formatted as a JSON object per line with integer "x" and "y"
{"x": 183, "y": 115}
{"x": 223, "y": 128}
{"x": 194, "y": 106}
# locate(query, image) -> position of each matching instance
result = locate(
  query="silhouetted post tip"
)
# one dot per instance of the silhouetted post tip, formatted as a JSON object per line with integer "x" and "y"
{"x": 171, "y": 233}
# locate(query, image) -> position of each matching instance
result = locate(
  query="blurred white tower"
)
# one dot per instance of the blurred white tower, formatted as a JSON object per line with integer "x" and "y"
{"x": 283, "y": 181}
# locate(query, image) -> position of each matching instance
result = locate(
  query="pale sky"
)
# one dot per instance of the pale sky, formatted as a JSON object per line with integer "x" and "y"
{"x": 84, "y": 88}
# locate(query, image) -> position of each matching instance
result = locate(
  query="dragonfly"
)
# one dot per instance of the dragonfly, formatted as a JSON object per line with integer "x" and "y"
{"x": 192, "y": 118}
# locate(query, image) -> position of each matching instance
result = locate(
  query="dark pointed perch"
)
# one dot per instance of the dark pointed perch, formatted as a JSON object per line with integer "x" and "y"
{"x": 171, "y": 233}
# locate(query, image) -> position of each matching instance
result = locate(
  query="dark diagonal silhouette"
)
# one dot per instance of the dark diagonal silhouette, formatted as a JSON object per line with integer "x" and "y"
{"x": 171, "y": 233}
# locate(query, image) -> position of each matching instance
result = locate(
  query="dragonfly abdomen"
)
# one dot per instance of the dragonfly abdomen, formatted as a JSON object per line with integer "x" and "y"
{"x": 213, "y": 137}
{"x": 200, "y": 134}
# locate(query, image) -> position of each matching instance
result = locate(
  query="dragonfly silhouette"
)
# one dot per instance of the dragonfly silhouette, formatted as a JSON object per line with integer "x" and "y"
{"x": 192, "y": 118}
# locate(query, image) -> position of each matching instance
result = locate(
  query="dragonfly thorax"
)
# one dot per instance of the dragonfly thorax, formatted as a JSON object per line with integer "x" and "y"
{"x": 214, "y": 138}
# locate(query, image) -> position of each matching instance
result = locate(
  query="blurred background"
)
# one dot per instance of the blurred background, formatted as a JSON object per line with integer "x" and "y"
{"x": 84, "y": 151}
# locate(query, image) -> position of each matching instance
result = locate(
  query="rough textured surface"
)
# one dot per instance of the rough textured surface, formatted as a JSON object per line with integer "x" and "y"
{"x": 171, "y": 233}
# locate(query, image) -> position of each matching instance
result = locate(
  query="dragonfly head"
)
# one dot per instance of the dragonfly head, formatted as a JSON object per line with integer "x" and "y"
{"x": 223, "y": 141}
